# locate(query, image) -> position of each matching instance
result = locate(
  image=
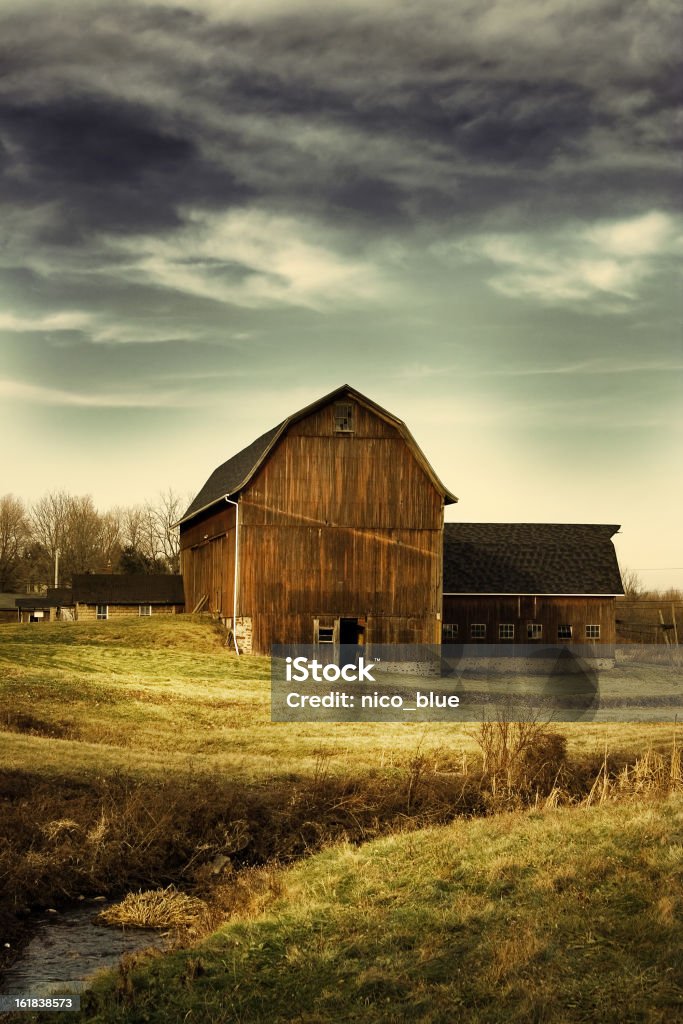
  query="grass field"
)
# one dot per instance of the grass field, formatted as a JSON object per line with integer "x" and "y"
{"x": 134, "y": 754}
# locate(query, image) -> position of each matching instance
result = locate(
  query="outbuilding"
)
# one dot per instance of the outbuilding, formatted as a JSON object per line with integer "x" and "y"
{"x": 529, "y": 583}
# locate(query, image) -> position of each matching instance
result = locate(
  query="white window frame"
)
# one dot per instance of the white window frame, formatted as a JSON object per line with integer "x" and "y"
{"x": 449, "y": 631}
{"x": 478, "y": 630}
{"x": 534, "y": 630}
{"x": 506, "y": 631}
{"x": 593, "y": 631}
{"x": 99, "y": 614}
{"x": 565, "y": 625}
{"x": 144, "y": 614}
{"x": 343, "y": 418}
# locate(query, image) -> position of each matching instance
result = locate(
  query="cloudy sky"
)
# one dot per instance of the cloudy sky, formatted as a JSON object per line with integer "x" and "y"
{"x": 214, "y": 214}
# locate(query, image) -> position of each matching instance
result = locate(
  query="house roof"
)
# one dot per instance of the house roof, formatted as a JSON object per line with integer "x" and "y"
{"x": 109, "y": 588}
{"x": 56, "y": 597}
{"x": 232, "y": 476}
{"x": 530, "y": 558}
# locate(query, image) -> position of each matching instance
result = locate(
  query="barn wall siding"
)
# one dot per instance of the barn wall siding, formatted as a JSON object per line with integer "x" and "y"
{"x": 550, "y": 612}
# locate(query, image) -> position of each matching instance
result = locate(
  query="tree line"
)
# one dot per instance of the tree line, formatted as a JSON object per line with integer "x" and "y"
{"x": 69, "y": 529}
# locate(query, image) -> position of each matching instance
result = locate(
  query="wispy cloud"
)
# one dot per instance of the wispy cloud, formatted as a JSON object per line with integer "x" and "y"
{"x": 67, "y": 320}
{"x": 21, "y": 391}
{"x": 254, "y": 259}
{"x": 605, "y": 264}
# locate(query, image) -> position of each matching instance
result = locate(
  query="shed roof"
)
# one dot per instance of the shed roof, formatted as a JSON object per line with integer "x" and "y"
{"x": 232, "y": 476}
{"x": 530, "y": 558}
{"x": 56, "y": 597}
{"x": 8, "y": 600}
{"x": 109, "y": 588}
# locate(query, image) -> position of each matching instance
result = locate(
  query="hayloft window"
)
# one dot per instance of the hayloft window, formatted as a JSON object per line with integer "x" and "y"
{"x": 343, "y": 418}
{"x": 449, "y": 631}
{"x": 592, "y": 632}
{"x": 325, "y": 634}
{"x": 506, "y": 631}
{"x": 534, "y": 631}
{"x": 478, "y": 630}
{"x": 145, "y": 609}
{"x": 102, "y": 611}
{"x": 564, "y": 632}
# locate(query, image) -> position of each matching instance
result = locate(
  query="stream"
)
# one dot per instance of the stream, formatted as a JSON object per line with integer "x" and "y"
{"x": 67, "y": 948}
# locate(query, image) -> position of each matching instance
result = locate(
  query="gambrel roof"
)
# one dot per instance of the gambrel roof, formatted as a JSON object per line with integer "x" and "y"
{"x": 530, "y": 558}
{"x": 232, "y": 476}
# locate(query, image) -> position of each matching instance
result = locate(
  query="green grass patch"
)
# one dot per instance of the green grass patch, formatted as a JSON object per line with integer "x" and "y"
{"x": 560, "y": 916}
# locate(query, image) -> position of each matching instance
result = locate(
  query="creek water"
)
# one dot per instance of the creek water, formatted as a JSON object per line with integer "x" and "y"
{"x": 67, "y": 948}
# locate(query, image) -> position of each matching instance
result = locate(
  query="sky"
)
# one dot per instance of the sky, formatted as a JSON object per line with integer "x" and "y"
{"x": 213, "y": 214}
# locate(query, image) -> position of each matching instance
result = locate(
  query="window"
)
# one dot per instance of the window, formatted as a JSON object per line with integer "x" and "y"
{"x": 478, "y": 630}
{"x": 103, "y": 611}
{"x": 592, "y": 632}
{"x": 343, "y": 418}
{"x": 564, "y": 632}
{"x": 534, "y": 631}
{"x": 326, "y": 635}
{"x": 145, "y": 609}
{"x": 449, "y": 631}
{"x": 506, "y": 631}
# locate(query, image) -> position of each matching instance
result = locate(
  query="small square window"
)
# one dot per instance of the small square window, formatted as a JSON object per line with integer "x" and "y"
{"x": 592, "y": 632}
{"x": 564, "y": 632}
{"x": 145, "y": 609}
{"x": 343, "y": 418}
{"x": 534, "y": 631}
{"x": 506, "y": 631}
{"x": 478, "y": 630}
{"x": 326, "y": 635}
{"x": 102, "y": 611}
{"x": 450, "y": 631}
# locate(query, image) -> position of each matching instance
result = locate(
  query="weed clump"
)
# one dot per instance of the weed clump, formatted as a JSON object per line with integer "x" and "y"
{"x": 521, "y": 762}
{"x": 158, "y": 908}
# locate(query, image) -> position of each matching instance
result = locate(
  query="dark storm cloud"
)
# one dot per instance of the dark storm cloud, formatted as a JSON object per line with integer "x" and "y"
{"x": 378, "y": 113}
{"x": 130, "y": 133}
{"x": 107, "y": 164}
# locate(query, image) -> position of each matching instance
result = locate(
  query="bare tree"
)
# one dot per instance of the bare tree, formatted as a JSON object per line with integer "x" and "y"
{"x": 82, "y": 549}
{"x": 110, "y": 537}
{"x": 49, "y": 526}
{"x": 14, "y": 534}
{"x": 634, "y": 588}
{"x": 132, "y": 527}
{"x": 86, "y": 540}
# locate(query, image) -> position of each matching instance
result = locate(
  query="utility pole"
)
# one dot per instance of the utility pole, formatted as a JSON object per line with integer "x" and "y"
{"x": 56, "y": 567}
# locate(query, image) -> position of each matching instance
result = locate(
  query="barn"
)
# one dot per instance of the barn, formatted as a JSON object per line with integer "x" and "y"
{"x": 529, "y": 583}
{"x": 326, "y": 529}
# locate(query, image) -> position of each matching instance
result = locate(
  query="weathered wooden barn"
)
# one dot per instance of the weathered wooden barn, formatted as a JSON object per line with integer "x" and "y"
{"x": 327, "y": 529}
{"x": 529, "y": 583}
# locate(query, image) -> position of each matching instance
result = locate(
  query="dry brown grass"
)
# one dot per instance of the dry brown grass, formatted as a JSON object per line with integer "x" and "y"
{"x": 157, "y": 908}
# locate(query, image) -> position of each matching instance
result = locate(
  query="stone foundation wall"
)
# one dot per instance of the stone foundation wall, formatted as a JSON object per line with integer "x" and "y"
{"x": 243, "y": 633}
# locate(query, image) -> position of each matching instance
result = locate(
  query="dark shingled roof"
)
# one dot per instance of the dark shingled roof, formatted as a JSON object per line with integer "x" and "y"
{"x": 56, "y": 597}
{"x": 235, "y": 474}
{"x": 106, "y": 588}
{"x": 530, "y": 558}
